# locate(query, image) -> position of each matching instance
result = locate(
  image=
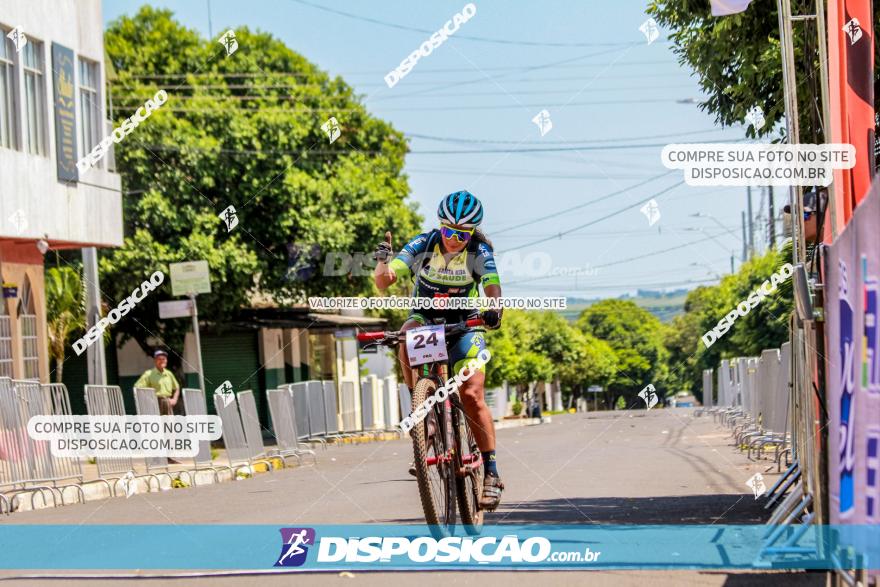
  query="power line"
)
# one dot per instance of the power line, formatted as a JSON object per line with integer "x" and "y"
{"x": 606, "y": 217}
{"x": 373, "y": 72}
{"x": 557, "y": 149}
{"x": 664, "y": 284}
{"x": 524, "y": 175}
{"x": 584, "y": 205}
{"x": 459, "y": 35}
{"x": 549, "y": 64}
{"x": 651, "y": 254}
{"x": 588, "y": 268}
{"x": 267, "y": 74}
{"x": 407, "y": 109}
{"x": 374, "y": 152}
{"x": 565, "y": 142}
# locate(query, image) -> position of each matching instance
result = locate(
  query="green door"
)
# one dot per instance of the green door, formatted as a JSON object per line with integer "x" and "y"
{"x": 234, "y": 356}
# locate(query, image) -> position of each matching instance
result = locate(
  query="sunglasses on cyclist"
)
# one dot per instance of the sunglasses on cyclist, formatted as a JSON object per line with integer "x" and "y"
{"x": 461, "y": 236}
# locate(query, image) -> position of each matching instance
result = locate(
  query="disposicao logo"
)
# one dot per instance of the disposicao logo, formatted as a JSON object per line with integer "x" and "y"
{"x": 294, "y": 546}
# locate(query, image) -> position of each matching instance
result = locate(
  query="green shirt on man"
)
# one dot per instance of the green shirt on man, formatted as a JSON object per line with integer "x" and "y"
{"x": 163, "y": 382}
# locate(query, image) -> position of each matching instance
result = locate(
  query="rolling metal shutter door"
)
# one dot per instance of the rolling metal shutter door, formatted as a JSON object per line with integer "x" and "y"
{"x": 234, "y": 356}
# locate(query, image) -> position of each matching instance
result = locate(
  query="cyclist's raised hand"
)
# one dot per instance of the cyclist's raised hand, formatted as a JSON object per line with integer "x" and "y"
{"x": 383, "y": 250}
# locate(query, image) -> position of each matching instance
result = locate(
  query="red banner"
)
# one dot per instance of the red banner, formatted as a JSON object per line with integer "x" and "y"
{"x": 851, "y": 88}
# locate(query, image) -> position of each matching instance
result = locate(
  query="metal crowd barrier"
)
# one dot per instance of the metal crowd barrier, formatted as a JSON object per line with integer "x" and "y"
{"x": 371, "y": 409}
{"x": 708, "y": 395}
{"x": 405, "y": 398}
{"x": 391, "y": 404}
{"x": 331, "y": 409}
{"x": 65, "y": 469}
{"x": 253, "y": 431}
{"x": 282, "y": 414}
{"x": 349, "y": 408}
{"x": 106, "y": 400}
{"x": 317, "y": 417}
{"x": 302, "y": 413}
{"x": 27, "y": 465}
{"x": 758, "y": 400}
{"x": 194, "y": 405}
{"x": 234, "y": 440}
{"x": 147, "y": 404}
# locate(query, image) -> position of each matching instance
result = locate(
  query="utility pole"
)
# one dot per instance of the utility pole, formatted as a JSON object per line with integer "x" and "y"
{"x": 95, "y": 357}
{"x": 751, "y": 226}
{"x": 745, "y": 241}
{"x": 772, "y": 219}
{"x": 731, "y": 262}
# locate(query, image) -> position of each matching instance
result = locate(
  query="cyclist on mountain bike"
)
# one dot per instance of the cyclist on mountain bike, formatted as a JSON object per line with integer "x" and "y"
{"x": 453, "y": 261}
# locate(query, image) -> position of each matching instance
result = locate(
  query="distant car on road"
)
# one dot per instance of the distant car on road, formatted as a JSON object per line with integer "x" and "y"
{"x": 683, "y": 399}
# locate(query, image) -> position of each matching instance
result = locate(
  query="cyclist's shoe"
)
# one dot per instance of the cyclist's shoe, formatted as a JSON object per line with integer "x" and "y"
{"x": 412, "y": 469}
{"x": 492, "y": 488}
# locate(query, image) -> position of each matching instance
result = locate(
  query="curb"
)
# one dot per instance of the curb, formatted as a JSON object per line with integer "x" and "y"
{"x": 500, "y": 424}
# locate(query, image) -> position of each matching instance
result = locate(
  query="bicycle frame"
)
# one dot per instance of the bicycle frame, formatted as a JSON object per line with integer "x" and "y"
{"x": 440, "y": 372}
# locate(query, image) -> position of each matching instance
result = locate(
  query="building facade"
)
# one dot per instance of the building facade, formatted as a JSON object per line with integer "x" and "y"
{"x": 52, "y": 111}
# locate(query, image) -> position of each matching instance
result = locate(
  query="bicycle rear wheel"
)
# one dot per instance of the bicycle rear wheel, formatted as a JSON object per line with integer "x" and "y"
{"x": 433, "y": 463}
{"x": 469, "y": 480}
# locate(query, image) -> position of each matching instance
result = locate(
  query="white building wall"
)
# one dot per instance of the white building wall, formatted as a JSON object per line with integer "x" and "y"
{"x": 79, "y": 214}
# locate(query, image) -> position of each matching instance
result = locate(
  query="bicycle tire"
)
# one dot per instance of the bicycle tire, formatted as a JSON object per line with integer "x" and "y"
{"x": 468, "y": 486}
{"x": 440, "y": 517}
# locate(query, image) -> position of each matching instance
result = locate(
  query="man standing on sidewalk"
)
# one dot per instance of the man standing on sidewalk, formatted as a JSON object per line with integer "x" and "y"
{"x": 163, "y": 382}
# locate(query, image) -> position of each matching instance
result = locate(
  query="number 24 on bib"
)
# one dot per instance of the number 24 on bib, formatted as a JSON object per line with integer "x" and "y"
{"x": 426, "y": 344}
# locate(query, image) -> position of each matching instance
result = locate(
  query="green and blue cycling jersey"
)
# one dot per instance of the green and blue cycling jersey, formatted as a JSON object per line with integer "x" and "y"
{"x": 461, "y": 276}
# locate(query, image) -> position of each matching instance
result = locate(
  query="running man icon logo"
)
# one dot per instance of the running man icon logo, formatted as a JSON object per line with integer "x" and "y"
{"x": 226, "y": 393}
{"x": 294, "y": 543}
{"x": 756, "y": 117}
{"x": 229, "y": 217}
{"x": 542, "y": 119}
{"x": 648, "y": 394}
{"x": 18, "y": 219}
{"x": 18, "y": 38}
{"x": 756, "y": 483}
{"x": 650, "y": 29}
{"x": 229, "y": 42}
{"x": 651, "y": 211}
{"x": 854, "y": 29}
{"x": 331, "y": 129}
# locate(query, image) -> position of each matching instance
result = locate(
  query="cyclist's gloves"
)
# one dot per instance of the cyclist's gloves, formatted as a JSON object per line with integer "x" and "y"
{"x": 383, "y": 250}
{"x": 492, "y": 318}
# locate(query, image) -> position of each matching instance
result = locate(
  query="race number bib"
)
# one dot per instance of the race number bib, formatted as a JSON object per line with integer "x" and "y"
{"x": 426, "y": 344}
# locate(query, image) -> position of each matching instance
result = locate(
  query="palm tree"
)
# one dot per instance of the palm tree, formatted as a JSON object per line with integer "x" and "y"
{"x": 65, "y": 311}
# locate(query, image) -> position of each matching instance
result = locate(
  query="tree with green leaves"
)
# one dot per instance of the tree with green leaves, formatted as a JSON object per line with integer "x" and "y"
{"x": 243, "y": 130}
{"x": 766, "y": 326}
{"x": 738, "y": 62}
{"x": 636, "y": 338}
{"x": 65, "y": 312}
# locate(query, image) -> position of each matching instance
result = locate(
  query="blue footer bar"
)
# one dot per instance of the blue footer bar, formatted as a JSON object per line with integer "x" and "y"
{"x": 415, "y": 547}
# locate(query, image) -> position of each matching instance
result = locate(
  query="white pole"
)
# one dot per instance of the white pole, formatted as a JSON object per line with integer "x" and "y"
{"x": 195, "y": 320}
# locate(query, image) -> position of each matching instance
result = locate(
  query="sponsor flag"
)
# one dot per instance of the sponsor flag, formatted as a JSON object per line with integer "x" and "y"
{"x": 851, "y": 88}
{"x": 727, "y": 7}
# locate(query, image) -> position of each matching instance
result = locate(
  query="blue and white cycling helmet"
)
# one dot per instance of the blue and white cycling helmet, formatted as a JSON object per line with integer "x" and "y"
{"x": 461, "y": 209}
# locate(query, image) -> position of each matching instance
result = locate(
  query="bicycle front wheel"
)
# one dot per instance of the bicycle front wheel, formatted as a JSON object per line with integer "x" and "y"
{"x": 434, "y": 463}
{"x": 469, "y": 480}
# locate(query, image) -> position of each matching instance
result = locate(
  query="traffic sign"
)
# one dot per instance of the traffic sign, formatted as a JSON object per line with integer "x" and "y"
{"x": 190, "y": 277}
{"x": 595, "y": 389}
{"x": 175, "y": 309}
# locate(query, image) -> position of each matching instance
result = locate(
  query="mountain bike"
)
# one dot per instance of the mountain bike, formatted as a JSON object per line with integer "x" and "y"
{"x": 449, "y": 467}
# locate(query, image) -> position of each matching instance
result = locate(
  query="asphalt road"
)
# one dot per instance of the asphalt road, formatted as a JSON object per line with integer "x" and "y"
{"x": 626, "y": 467}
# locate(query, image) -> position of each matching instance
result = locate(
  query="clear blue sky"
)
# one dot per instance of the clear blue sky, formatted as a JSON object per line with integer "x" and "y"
{"x": 606, "y": 83}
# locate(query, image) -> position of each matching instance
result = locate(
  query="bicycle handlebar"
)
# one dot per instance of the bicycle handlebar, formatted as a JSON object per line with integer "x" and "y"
{"x": 391, "y": 335}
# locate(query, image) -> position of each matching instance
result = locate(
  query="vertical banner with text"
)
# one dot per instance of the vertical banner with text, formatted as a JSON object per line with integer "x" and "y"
{"x": 63, "y": 63}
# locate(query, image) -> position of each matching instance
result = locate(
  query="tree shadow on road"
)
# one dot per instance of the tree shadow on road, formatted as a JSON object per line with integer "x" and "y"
{"x": 687, "y": 509}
